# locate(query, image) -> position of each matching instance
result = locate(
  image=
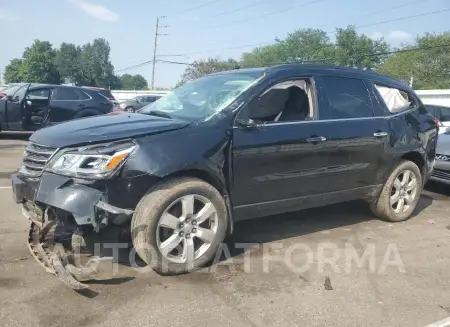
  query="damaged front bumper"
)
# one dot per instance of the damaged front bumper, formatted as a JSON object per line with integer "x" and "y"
{"x": 61, "y": 212}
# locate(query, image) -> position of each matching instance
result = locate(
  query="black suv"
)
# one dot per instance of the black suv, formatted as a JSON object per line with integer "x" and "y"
{"x": 33, "y": 106}
{"x": 226, "y": 147}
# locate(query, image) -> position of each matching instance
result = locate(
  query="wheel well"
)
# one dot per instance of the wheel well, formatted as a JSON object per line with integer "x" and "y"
{"x": 416, "y": 158}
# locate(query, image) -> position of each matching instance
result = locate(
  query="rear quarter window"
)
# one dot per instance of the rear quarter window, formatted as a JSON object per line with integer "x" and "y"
{"x": 396, "y": 100}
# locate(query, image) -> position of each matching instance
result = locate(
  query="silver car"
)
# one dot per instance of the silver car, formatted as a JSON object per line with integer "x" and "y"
{"x": 441, "y": 172}
{"x": 136, "y": 103}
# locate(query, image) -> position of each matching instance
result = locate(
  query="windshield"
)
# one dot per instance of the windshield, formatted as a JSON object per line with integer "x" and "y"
{"x": 200, "y": 98}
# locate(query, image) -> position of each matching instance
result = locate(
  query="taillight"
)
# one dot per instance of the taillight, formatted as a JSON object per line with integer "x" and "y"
{"x": 438, "y": 123}
{"x": 115, "y": 112}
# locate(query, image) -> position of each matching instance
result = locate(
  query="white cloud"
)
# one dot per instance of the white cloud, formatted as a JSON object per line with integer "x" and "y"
{"x": 376, "y": 35}
{"x": 399, "y": 36}
{"x": 8, "y": 15}
{"x": 98, "y": 11}
{"x": 396, "y": 36}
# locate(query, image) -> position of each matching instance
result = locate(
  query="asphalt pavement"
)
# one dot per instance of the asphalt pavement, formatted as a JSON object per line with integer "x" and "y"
{"x": 336, "y": 265}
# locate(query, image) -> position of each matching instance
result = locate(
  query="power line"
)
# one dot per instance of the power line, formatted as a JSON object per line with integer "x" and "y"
{"x": 174, "y": 62}
{"x": 385, "y": 10}
{"x": 134, "y": 66}
{"x": 399, "y": 19}
{"x": 364, "y": 15}
{"x": 198, "y": 7}
{"x": 269, "y": 14}
{"x": 238, "y": 9}
{"x": 329, "y": 32}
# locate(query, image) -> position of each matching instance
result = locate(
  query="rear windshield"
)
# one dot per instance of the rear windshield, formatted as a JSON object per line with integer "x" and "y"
{"x": 107, "y": 94}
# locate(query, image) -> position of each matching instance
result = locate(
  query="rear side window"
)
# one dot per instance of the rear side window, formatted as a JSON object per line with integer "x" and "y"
{"x": 348, "y": 98}
{"x": 65, "y": 94}
{"x": 82, "y": 95}
{"x": 396, "y": 100}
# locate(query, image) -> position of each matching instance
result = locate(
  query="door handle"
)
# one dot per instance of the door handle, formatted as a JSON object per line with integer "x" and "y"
{"x": 380, "y": 134}
{"x": 316, "y": 139}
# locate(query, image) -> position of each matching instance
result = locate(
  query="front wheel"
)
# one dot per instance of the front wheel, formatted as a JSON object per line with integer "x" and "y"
{"x": 400, "y": 193}
{"x": 129, "y": 109}
{"x": 179, "y": 225}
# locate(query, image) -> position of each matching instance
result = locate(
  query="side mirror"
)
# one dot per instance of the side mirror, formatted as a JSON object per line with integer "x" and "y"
{"x": 247, "y": 123}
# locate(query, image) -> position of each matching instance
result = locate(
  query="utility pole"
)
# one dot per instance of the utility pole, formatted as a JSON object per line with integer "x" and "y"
{"x": 155, "y": 46}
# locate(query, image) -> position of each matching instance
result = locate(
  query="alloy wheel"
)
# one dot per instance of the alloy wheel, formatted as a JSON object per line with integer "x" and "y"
{"x": 187, "y": 228}
{"x": 404, "y": 191}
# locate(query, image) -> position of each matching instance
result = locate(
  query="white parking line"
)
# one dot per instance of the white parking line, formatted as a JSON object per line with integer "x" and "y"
{"x": 442, "y": 323}
{"x": 5, "y": 187}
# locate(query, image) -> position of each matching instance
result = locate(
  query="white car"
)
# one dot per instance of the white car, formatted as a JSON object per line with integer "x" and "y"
{"x": 442, "y": 114}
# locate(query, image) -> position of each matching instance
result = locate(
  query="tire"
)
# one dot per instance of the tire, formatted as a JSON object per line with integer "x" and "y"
{"x": 383, "y": 208}
{"x": 129, "y": 109}
{"x": 147, "y": 230}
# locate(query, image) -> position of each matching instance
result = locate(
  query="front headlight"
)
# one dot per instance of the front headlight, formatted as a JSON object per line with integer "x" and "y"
{"x": 98, "y": 161}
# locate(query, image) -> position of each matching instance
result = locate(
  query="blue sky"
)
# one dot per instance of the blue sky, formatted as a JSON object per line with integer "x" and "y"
{"x": 215, "y": 28}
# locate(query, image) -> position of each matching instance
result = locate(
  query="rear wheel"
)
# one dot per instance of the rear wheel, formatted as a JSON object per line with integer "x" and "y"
{"x": 129, "y": 109}
{"x": 400, "y": 193}
{"x": 179, "y": 225}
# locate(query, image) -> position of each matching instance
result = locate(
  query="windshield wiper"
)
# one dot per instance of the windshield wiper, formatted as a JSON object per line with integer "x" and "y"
{"x": 159, "y": 114}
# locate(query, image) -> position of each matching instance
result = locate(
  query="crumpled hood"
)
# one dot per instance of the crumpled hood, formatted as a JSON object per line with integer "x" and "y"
{"x": 103, "y": 128}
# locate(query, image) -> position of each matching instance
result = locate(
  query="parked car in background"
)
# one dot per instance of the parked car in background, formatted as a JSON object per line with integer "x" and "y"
{"x": 136, "y": 103}
{"x": 10, "y": 90}
{"x": 442, "y": 114}
{"x": 107, "y": 94}
{"x": 29, "y": 107}
{"x": 226, "y": 147}
{"x": 441, "y": 172}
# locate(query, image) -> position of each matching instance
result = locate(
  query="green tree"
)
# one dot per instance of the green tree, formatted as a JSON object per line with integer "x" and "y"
{"x": 68, "y": 62}
{"x": 201, "y": 68}
{"x": 140, "y": 83}
{"x": 359, "y": 51}
{"x": 13, "y": 71}
{"x": 133, "y": 82}
{"x": 38, "y": 64}
{"x": 429, "y": 67}
{"x": 303, "y": 45}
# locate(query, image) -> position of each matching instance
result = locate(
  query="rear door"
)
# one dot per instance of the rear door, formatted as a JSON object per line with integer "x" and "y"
{"x": 65, "y": 102}
{"x": 355, "y": 139}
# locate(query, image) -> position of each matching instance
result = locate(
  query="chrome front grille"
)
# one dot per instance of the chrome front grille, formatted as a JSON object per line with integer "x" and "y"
{"x": 35, "y": 158}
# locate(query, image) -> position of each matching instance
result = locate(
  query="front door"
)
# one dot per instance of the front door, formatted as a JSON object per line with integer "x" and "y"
{"x": 15, "y": 109}
{"x": 37, "y": 108}
{"x": 278, "y": 163}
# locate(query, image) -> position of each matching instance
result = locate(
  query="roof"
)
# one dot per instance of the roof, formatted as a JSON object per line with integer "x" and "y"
{"x": 321, "y": 69}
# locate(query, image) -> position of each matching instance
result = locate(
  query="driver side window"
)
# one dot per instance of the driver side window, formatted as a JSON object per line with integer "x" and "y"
{"x": 283, "y": 102}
